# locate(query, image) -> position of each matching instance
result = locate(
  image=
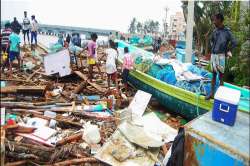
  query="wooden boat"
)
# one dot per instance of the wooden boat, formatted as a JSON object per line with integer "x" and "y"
{"x": 176, "y": 100}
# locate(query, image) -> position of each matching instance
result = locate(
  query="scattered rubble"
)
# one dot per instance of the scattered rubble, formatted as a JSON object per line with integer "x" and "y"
{"x": 52, "y": 120}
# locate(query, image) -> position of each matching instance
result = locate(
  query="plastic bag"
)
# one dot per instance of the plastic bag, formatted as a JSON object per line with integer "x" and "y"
{"x": 91, "y": 134}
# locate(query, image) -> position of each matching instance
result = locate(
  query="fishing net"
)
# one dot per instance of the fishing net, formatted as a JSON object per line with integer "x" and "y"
{"x": 167, "y": 74}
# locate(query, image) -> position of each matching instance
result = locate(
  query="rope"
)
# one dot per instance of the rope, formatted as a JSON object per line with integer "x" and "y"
{"x": 198, "y": 93}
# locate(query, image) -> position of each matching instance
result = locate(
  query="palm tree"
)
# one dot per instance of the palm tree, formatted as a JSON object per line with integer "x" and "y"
{"x": 132, "y": 26}
{"x": 139, "y": 27}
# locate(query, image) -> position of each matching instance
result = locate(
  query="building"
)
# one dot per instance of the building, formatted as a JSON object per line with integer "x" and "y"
{"x": 177, "y": 27}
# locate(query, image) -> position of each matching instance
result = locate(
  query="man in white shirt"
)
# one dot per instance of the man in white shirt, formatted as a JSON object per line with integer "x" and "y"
{"x": 111, "y": 63}
{"x": 34, "y": 29}
{"x": 26, "y": 27}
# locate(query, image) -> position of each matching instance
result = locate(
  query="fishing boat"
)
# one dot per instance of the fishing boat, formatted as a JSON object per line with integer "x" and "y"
{"x": 177, "y": 100}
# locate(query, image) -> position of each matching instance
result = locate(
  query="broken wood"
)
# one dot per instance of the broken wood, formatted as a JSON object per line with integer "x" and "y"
{"x": 76, "y": 161}
{"x": 26, "y": 111}
{"x": 44, "y": 103}
{"x": 71, "y": 138}
{"x": 43, "y": 152}
{"x": 8, "y": 99}
{"x": 81, "y": 75}
{"x": 29, "y": 90}
{"x": 33, "y": 74}
{"x": 8, "y": 89}
{"x": 10, "y": 126}
{"x": 16, "y": 163}
{"x": 16, "y": 80}
{"x": 21, "y": 156}
{"x": 63, "y": 104}
{"x": 24, "y": 129}
{"x": 23, "y": 105}
{"x": 59, "y": 119}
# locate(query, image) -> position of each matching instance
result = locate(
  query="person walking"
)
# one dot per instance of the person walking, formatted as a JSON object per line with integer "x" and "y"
{"x": 14, "y": 50}
{"x": 111, "y": 63}
{"x": 128, "y": 64}
{"x": 92, "y": 56}
{"x": 34, "y": 29}
{"x": 222, "y": 43}
{"x": 26, "y": 27}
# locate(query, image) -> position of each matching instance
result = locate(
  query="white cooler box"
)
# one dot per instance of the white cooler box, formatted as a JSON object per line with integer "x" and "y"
{"x": 225, "y": 107}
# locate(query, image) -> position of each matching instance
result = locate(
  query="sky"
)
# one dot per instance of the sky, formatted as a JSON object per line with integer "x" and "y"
{"x": 103, "y": 14}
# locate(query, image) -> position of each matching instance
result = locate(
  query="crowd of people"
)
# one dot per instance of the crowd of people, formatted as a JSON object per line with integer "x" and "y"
{"x": 10, "y": 49}
{"x": 10, "y": 40}
{"x": 111, "y": 61}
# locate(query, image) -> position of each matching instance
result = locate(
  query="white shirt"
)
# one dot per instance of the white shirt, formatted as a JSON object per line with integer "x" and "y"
{"x": 110, "y": 62}
{"x": 34, "y": 26}
{"x": 26, "y": 23}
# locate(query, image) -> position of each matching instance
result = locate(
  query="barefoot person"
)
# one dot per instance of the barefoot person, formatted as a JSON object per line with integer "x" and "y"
{"x": 14, "y": 50}
{"x": 34, "y": 29}
{"x": 92, "y": 56}
{"x": 111, "y": 63}
{"x": 127, "y": 66}
{"x": 221, "y": 38}
{"x": 26, "y": 28}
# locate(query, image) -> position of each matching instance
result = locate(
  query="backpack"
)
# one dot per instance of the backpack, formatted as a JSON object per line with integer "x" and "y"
{"x": 177, "y": 152}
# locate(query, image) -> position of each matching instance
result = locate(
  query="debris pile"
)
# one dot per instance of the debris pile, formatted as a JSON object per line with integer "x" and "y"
{"x": 70, "y": 120}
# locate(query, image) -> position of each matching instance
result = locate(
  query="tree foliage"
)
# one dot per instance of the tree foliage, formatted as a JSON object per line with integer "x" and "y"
{"x": 132, "y": 26}
{"x": 237, "y": 68}
{"x": 149, "y": 26}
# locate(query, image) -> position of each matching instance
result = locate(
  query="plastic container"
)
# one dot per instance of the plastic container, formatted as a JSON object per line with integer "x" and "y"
{"x": 225, "y": 107}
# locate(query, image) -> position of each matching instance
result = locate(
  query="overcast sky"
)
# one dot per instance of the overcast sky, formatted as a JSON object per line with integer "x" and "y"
{"x": 103, "y": 14}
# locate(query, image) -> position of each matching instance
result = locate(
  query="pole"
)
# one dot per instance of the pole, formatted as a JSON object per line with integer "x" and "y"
{"x": 189, "y": 31}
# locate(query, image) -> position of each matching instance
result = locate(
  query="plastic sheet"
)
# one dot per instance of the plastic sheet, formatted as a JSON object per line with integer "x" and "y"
{"x": 167, "y": 74}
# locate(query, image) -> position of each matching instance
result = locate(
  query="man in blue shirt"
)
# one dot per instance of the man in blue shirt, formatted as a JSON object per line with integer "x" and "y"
{"x": 14, "y": 49}
{"x": 222, "y": 43}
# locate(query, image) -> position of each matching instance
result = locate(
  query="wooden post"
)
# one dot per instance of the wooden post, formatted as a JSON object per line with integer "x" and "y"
{"x": 189, "y": 31}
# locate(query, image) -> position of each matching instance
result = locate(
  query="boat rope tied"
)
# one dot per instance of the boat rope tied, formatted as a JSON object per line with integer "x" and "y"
{"x": 197, "y": 103}
{"x": 198, "y": 93}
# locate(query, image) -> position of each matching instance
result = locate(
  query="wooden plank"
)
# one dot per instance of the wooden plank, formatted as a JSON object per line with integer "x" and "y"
{"x": 16, "y": 163}
{"x": 81, "y": 75}
{"x": 24, "y": 89}
{"x": 71, "y": 138}
{"x": 17, "y": 80}
{"x": 31, "y": 89}
{"x": 8, "y": 89}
